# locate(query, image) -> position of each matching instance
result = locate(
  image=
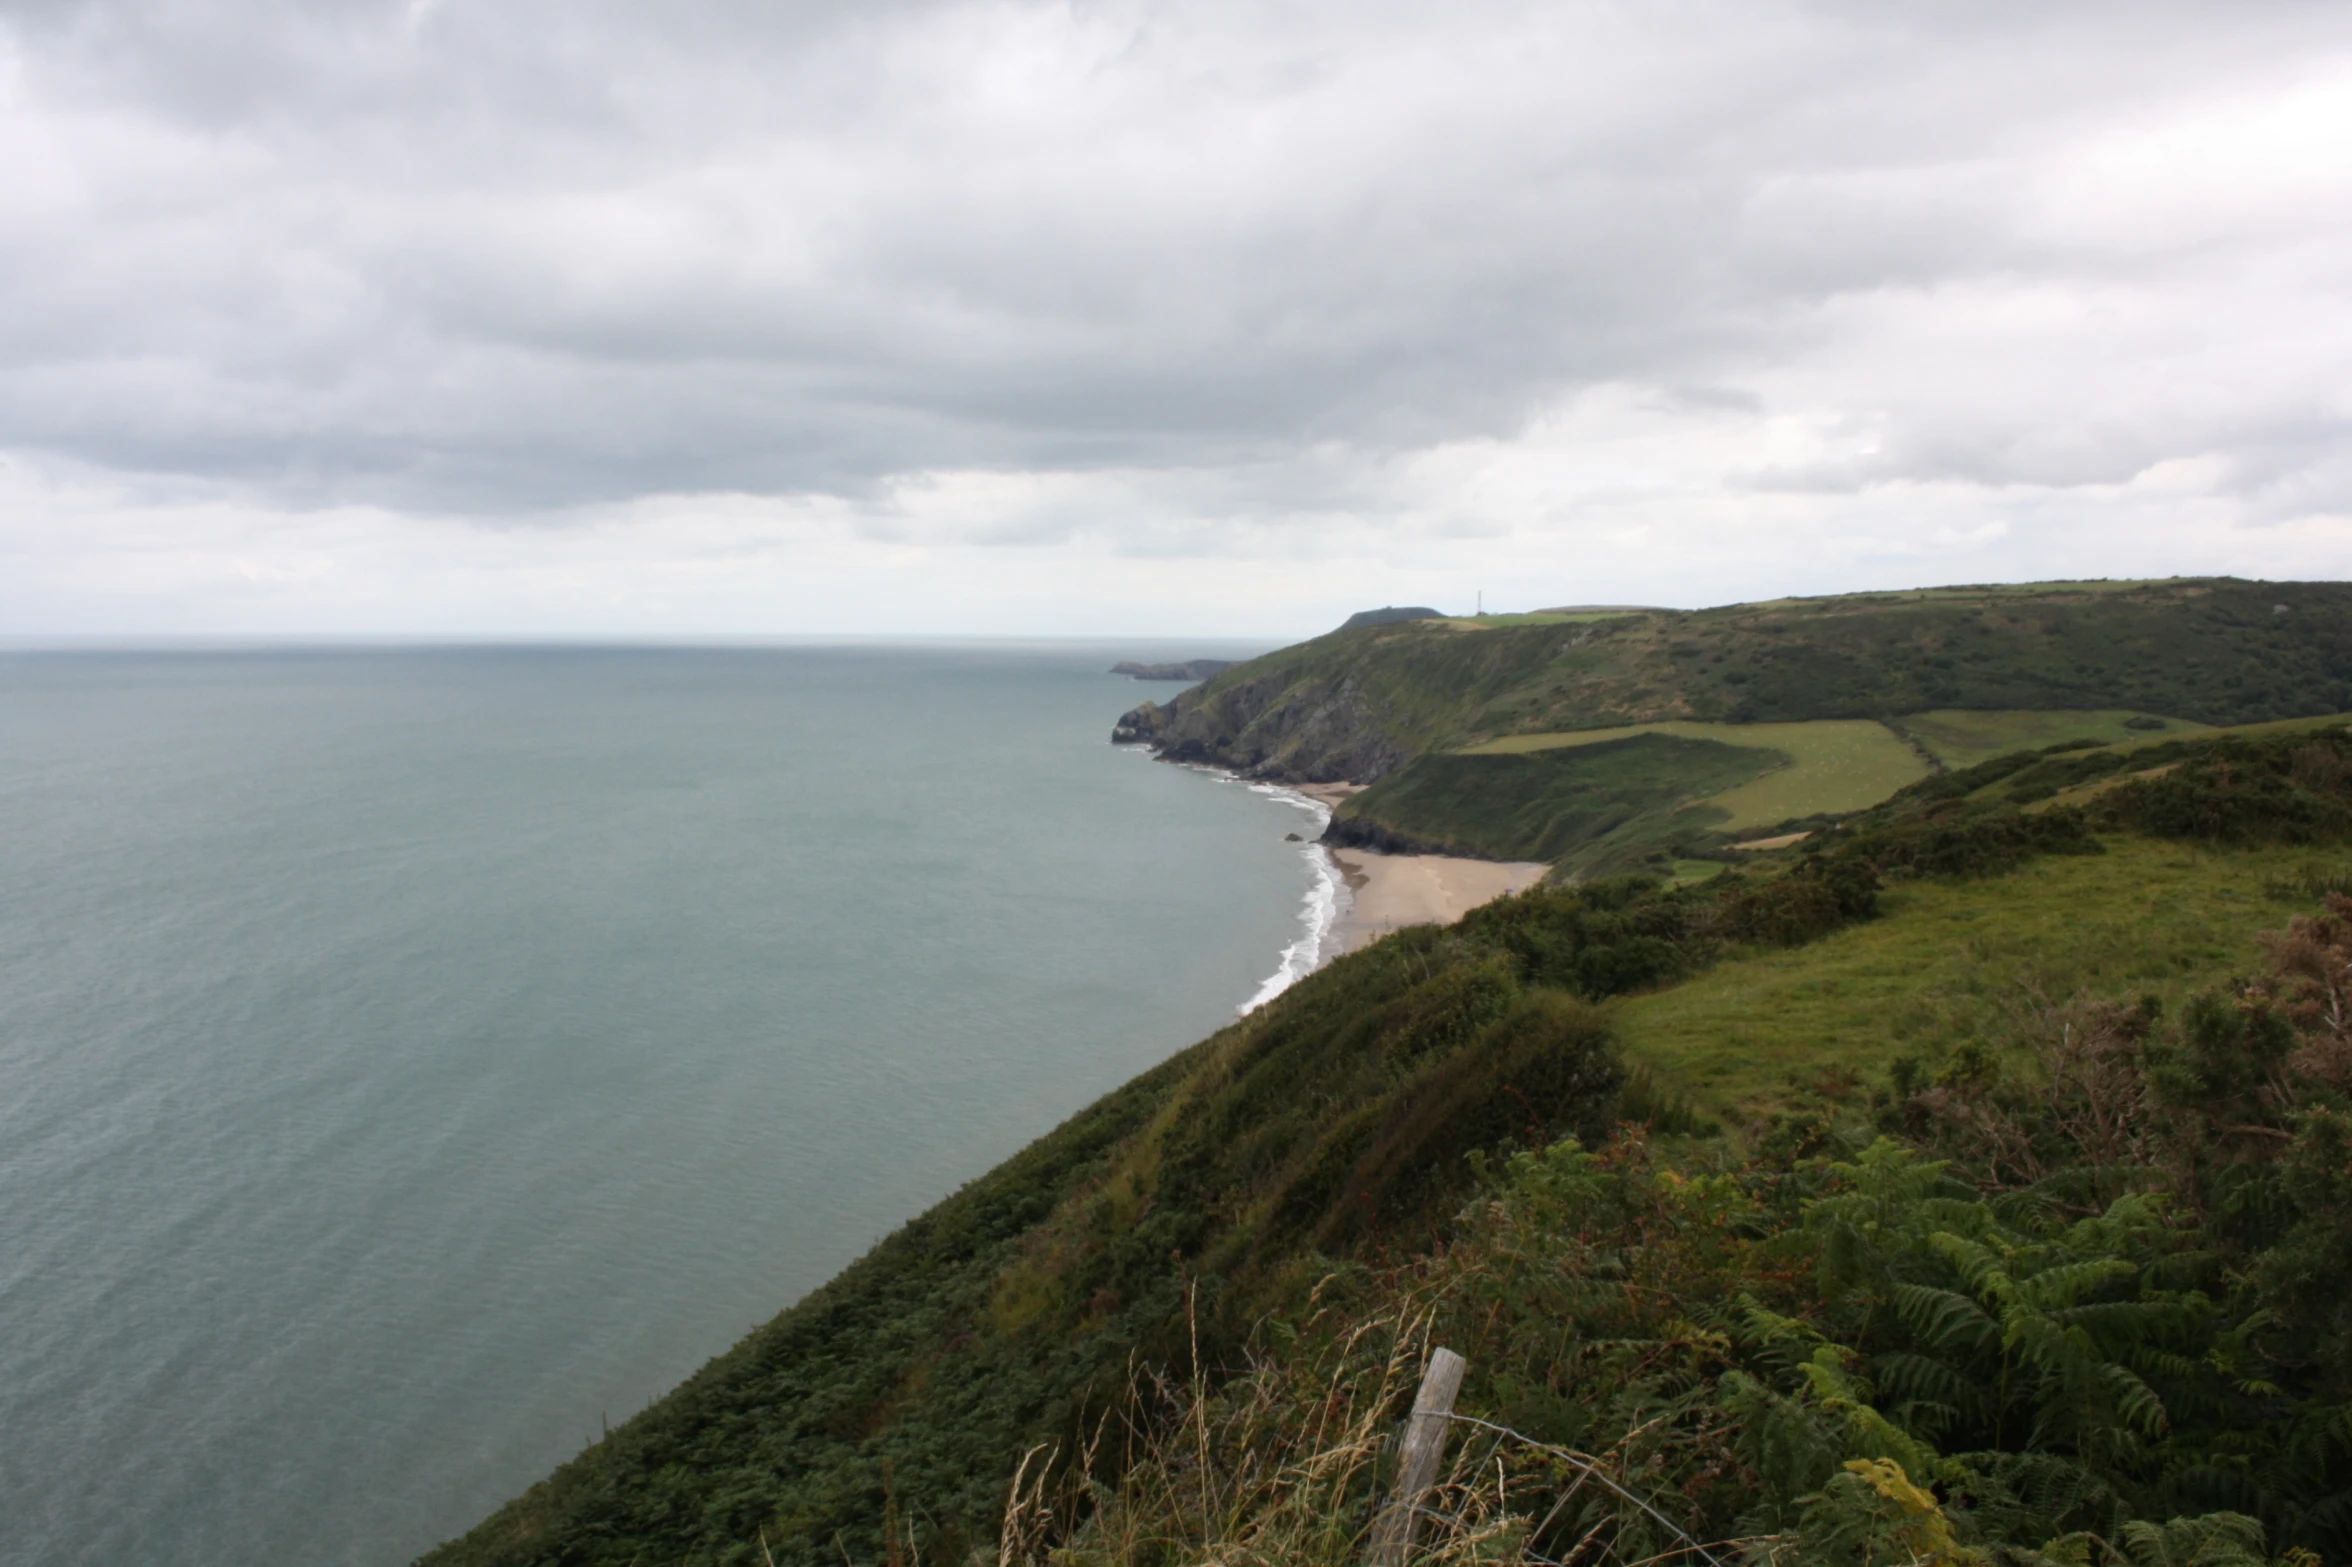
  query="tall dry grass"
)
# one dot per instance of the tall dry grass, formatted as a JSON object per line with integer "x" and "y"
{"x": 1292, "y": 1461}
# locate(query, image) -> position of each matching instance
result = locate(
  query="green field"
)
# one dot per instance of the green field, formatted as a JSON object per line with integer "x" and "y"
{"x": 1962, "y": 738}
{"x": 1954, "y": 962}
{"x": 1834, "y": 765}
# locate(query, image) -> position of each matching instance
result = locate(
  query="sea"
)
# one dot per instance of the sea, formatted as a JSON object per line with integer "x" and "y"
{"x": 414, "y": 1060}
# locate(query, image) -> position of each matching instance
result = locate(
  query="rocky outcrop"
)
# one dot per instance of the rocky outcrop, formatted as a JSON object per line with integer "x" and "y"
{"x": 1275, "y": 727}
{"x": 1362, "y": 832}
{"x": 1140, "y": 725}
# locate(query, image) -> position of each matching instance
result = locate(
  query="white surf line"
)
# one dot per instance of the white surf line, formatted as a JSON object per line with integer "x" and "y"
{"x": 1327, "y": 898}
{"x": 1319, "y": 911}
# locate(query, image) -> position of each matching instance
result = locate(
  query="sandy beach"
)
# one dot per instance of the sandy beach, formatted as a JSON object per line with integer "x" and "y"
{"x": 1330, "y": 794}
{"x": 1391, "y": 891}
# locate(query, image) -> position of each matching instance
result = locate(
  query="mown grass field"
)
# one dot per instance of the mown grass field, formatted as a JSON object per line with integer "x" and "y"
{"x": 1835, "y": 765}
{"x": 1950, "y": 963}
{"x": 1962, "y": 738}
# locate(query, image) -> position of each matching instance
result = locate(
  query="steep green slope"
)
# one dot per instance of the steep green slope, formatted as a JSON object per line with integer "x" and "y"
{"x": 1336, "y": 1118}
{"x": 1595, "y": 802}
{"x": 1359, "y": 704}
{"x": 1618, "y": 802}
{"x": 1956, "y": 964}
{"x": 887, "y": 1411}
{"x": 2066, "y": 1281}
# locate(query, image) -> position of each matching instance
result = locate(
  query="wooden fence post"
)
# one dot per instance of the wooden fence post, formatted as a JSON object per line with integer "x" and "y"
{"x": 1417, "y": 1458}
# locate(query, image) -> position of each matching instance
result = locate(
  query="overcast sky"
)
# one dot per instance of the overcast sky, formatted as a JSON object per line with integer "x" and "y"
{"x": 453, "y": 316}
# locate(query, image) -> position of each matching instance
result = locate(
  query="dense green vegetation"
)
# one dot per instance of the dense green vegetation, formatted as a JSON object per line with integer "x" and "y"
{"x": 1338, "y": 1119}
{"x": 2029, "y": 1276}
{"x": 1358, "y": 704}
{"x": 1859, "y": 695}
{"x": 2071, "y": 1285}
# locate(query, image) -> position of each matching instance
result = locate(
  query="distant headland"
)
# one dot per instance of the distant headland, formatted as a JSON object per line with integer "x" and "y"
{"x": 1190, "y": 669}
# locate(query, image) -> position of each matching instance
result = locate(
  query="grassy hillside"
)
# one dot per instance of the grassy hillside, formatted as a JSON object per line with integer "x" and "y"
{"x": 1956, "y": 964}
{"x": 1623, "y": 799}
{"x": 1829, "y": 766}
{"x": 2063, "y": 1282}
{"x": 1336, "y": 1119}
{"x": 1360, "y": 704}
{"x": 1343, "y": 1128}
{"x": 1959, "y": 738}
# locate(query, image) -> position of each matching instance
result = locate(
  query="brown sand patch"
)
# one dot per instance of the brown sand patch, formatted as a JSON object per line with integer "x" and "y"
{"x": 1781, "y": 842}
{"x": 1329, "y": 793}
{"x": 1391, "y": 891}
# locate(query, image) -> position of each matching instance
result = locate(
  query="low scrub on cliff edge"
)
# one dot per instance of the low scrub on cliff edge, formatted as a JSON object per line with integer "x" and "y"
{"x": 2093, "y": 1309}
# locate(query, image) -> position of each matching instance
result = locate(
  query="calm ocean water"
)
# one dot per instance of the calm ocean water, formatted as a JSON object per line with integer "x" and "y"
{"x": 411, "y": 1058}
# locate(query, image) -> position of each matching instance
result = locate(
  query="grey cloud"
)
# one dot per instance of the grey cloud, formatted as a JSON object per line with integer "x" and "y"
{"x": 484, "y": 259}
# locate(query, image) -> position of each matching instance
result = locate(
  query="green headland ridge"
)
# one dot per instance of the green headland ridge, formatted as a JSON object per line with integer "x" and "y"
{"x": 1963, "y": 1178}
{"x": 1837, "y": 702}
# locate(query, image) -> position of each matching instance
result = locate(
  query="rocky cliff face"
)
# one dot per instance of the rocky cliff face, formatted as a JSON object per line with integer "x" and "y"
{"x": 1364, "y": 832}
{"x": 1140, "y": 725}
{"x": 1274, "y": 726}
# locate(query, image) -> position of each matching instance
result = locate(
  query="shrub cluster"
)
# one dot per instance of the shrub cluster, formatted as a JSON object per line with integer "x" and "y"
{"x": 2287, "y": 789}
{"x": 2093, "y": 1310}
{"x": 1966, "y": 843}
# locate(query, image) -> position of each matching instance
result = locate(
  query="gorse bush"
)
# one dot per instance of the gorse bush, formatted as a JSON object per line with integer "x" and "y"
{"x": 2289, "y": 789}
{"x": 1963, "y": 844}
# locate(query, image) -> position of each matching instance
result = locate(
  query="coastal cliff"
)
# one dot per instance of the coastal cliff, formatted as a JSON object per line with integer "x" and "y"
{"x": 1364, "y": 701}
{"x": 1788, "y": 1018}
{"x": 1274, "y": 726}
{"x": 1189, "y": 669}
